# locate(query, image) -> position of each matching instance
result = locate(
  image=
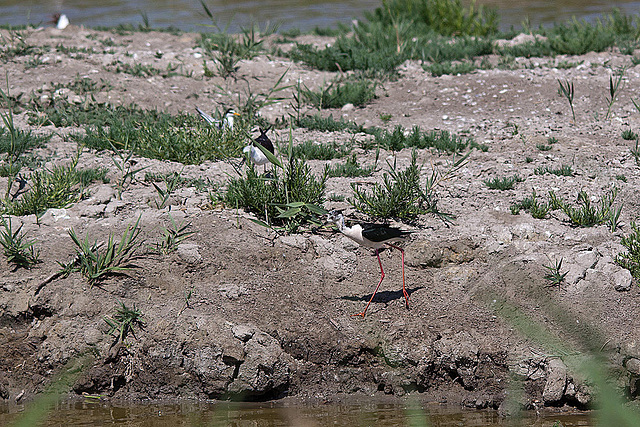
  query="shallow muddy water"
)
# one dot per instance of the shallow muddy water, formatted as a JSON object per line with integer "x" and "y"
{"x": 272, "y": 415}
{"x": 188, "y": 15}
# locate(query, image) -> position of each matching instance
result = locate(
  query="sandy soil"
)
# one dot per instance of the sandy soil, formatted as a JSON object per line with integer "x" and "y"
{"x": 269, "y": 316}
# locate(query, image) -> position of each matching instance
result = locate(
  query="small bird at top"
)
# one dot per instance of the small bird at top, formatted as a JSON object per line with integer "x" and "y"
{"x": 225, "y": 124}
{"x": 255, "y": 154}
{"x": 374, "y": 236}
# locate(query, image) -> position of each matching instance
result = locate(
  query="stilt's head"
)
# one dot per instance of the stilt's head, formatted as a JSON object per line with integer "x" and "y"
{"x": 335, "y": 217}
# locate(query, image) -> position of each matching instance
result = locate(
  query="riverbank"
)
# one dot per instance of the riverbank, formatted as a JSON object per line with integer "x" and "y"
{"x": 240, "y": 312}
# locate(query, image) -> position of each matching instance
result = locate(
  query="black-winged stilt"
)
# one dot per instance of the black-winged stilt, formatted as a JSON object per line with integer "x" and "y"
{"x": 255, "y": 154}
{"x": 374, "y": 236}
{"x": 227, "y": 120}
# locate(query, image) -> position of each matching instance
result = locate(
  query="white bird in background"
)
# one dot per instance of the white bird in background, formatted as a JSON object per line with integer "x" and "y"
{"x": 61, "y": 21}
{"x": 255, "y": 154}
{"x": 225, "y": 124}
{"x": 374, "y": 236}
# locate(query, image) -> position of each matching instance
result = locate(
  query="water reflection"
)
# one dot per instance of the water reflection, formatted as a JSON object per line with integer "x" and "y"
{"x": 75, "y": 414}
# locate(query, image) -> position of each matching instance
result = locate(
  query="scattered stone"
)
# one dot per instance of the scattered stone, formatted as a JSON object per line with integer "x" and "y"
{"x": 232, "y": 291}
{"x": 633, "y": 366}
{"x": 556, "y": 382}
{"x": 189, "y": 253}
{"x": 243, "y": 332}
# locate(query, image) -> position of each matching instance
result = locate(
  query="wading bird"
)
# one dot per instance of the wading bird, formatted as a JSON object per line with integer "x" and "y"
{"x": 225, "y": 124}
{"x": 255, "y": 154}
{"x": 374, "y": 236}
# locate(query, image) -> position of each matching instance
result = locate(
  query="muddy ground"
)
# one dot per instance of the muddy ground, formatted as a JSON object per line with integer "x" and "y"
{"x": 269, "y": 316}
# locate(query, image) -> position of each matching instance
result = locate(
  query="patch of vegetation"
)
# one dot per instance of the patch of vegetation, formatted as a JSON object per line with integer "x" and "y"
{"x": 181, "y": 182}
{"x": 585, "y": 214}
{"x": 228, "y": 50}
{"x": 122, "y": 323}
{"x": 631, "y": 258}
{"x": 96, "y": 262}
{"x": 173, "y": 236}
{"x": 532, "y": 204}
{"x": 289, "y": 199}
{"x": 555, "y": 276}
{"x": 441, "y": 140}
{"x": 401, "y": 196}
{"x": 351, "y": 168}
{"x": 310, "y": 150}
{"x": 337, "y": 95}
{"x": 19, "y": 252}
{"x": 629, "y": 135}
{"x": 57, "y": 187}
{"x": 144, "y": 70}
{"x": 183, "y": 138}
{"x": 504, "y": 183}
{"x": 543, "y": 147}
{"x": 564, "y": 170}
{"x": 438, "y": 69}
{"x": 328, "y": 124}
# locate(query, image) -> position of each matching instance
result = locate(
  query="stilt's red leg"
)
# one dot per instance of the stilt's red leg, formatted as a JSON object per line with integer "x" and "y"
{"x": 404, "y": 290}
{"x": 374, "y": 292}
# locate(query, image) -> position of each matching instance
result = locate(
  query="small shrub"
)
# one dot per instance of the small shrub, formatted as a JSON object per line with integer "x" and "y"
{"x": 337, "y": 95}
{"x": 122, "y": 323}
{"x": 504, "y": 183}
{"x": 350, "y": 169}
{"x": 631, "y": 258}
{"x": 19, "y": 252}
{"x": 95, "y": 261}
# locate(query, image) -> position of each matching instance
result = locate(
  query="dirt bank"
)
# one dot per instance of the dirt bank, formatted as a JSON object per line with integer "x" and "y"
{"x": 269, "y": 316}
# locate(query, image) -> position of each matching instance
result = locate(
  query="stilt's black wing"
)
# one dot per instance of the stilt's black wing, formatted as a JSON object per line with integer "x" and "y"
{"x": 382, "y": 232}
{"x": 264, "y": 140}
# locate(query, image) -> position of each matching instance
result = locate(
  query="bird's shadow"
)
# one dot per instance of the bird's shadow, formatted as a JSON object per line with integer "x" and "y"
{"x": 383, "y": 296}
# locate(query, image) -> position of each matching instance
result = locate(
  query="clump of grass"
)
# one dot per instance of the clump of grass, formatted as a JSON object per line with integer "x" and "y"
{"x": 152, "y": 134}
{"x": 441, "y": 140}
{"x": 631, "y": 258}
{"x": 309, "y": 150}
{"x": 337, "y": 94}
{"x": 400, "y": 195}
{"x": 543, "y": 147}
{"x": 172, "y": 237}
{"x": 615, "y": 86}
{"x": 555, "y": 276}
{"x": 532, "y": 204}
{"x": 438, "y": 69}
{"x": 567, "y": 89}
{"x": 504, "y": 183}
{"x": 588, "y": 215}
{"x": 52, "y": 188}
{"x": 286, "y": 201}
{"x": 629, "y": 135}
{"x": 328, "y": 124}
{"x": 123, "y": 321}
{"x": 635, "y": 151}
{"x": 19, "y": 252}
{"x": 95, "y": 261}
{"x": 564, "y": 170}
{"x": 552, "y": 140}
{"x": 351, "y": 168}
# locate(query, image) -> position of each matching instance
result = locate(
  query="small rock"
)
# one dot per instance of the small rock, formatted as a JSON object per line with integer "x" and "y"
{"x": 232, "y": 291}
{"x": 189, "y": 253}
{"x": 243, "y": 332}
{"x": 348, "y": 107}
{"x": 102, "y": 196}
{"x": 556, "y": 381}
{"x": 633, "y": 366}
{"x": 622, "y": 280}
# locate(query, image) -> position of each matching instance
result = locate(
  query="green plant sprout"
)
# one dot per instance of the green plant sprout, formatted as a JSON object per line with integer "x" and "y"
{"x": 568, "y": 91}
